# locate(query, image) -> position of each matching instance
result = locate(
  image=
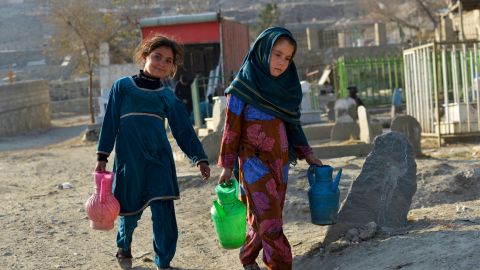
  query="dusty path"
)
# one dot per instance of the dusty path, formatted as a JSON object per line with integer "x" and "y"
{"x": 44, "y": 227}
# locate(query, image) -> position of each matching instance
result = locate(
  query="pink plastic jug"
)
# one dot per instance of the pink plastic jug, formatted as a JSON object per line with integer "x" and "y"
{"x": 102, "y": 207}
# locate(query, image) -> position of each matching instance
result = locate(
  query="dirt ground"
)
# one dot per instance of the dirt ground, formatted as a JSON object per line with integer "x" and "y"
{"x": 44, "y": 226}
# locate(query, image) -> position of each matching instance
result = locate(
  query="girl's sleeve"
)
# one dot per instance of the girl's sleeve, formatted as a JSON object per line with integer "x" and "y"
{"x": 111, "y": 121}
{"x": 231, "y": 132}
{"x": 183, "y": 132}
{"x": 297, "y": 138}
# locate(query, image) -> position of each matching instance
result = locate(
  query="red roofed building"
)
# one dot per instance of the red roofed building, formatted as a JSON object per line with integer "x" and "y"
{"x": 210, "y": 40}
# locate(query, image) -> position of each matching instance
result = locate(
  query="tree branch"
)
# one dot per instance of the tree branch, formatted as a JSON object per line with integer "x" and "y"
{"x": 427, "y": 11}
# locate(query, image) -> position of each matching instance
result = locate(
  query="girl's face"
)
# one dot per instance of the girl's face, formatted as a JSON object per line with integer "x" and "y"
{"x": 159, "y": 63}
{"x": 281, "y": 56}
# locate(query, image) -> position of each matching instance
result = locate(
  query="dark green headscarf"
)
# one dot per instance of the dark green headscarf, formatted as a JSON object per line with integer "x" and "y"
{"x": 279, "y": 96}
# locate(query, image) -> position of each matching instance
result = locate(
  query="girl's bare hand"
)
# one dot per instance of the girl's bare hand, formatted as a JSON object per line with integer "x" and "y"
{"x": 225, "y": 176}
{"x": 204, "y": 170}
{"x": 101, "y": 166}
{"x": 312, "y": 160}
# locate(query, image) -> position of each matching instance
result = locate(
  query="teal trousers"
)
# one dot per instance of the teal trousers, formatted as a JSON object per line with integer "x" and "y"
{"x": 165, "y": 231}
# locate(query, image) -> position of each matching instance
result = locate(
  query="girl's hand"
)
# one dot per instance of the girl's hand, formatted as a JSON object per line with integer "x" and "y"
{"x": 101, "y": 166}
{"x": 225, "y": 176}
{"x": 204, "y": 170}
{"x": 312, "y": 160}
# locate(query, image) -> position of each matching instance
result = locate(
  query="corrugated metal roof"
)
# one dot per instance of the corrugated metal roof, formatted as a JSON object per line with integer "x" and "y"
{"x": 180, "y": 19}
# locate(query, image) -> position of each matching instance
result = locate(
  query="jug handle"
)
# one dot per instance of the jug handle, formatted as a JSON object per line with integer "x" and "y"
{"x": 310, "y": 174}
{"x": 103, "y": 192}
{"x": 337, "y": 180}
{"x": 103, "y": 188}
{"x": 219, "y": 209}
{"x": 233, "y": 182}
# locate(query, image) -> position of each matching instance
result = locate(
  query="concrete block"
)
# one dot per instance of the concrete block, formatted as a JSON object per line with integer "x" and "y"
{"x": 318, "y": 131}
{"x": 211, "y": 145}
{"x": 310, "y": 117}
{"x": 335, "y": 151}
{"x": 202, "y": 132}
{"x": 25, "y": 106}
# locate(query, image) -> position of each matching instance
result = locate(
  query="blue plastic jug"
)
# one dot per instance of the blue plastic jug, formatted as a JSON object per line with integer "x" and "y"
{"x": 323, "y": 195}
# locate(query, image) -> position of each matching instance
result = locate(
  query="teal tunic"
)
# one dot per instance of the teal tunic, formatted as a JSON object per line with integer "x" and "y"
{"x": 135, "y": 123}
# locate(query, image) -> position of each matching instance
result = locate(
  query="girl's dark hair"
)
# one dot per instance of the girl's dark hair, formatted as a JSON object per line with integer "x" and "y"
{"x": 147, "y": 46}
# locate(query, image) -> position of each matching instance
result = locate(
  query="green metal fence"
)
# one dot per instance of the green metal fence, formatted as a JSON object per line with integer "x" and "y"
{"x": 374, "y": 77}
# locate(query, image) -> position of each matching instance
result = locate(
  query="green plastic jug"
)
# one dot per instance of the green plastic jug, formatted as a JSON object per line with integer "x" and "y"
{"x": 229, "y": 216}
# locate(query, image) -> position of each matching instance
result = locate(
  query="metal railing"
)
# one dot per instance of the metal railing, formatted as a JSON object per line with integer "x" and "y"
{"x": 319, "y": 97}
{"x": 374, "y": 77}
{"x": 202, "y": 88}
{"x": 442, "y": 87}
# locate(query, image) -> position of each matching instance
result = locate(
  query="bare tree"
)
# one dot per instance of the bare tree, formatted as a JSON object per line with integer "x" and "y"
{"x": 81, "y": 26}
{"x": 415, "y": 15}
{"x": 267, "y": 17}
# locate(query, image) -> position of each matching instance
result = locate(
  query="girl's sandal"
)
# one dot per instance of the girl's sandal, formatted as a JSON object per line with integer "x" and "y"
{"x": 124, "y": 258}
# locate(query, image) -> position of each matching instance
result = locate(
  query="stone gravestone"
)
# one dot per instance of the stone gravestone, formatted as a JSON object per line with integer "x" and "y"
{"x": 366, "y": 134}
{"x": 92, "y": 133}
{"x": 343, "y": 110}
{"x": 383, "y": 191}
{"x": 368, "y": 129}
{"x": 409, "y": 126}
{"x": 345, "y": 126}
{"x": 218, "y": 112}
{"x": 211, "y": 145}
{"x": 344, "y": 131}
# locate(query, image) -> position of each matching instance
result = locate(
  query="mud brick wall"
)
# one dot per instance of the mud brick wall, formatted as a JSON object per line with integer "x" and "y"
{"x": 70, "y": 98}
{"x": 24, "y": 107}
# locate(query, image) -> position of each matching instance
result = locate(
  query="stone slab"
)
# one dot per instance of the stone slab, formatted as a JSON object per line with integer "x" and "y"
{"x": 335, "y": 151}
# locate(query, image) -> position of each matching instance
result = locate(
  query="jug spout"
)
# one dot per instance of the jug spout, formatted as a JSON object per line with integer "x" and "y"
{"x": 219, "y": 208}
{"x": 337, "y": 180}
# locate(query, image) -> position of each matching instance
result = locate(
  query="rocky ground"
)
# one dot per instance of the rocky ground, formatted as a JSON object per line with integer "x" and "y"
{"x": 45, "y": 179}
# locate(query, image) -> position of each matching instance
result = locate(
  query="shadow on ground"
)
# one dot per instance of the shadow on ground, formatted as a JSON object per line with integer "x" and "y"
{"x": 61, "y": 130}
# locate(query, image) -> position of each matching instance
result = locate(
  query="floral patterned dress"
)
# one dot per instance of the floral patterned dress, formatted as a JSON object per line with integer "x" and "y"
{"x": 260, "y": 142}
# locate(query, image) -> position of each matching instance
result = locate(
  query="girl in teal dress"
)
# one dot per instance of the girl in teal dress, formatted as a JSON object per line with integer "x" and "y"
{"x": 144, "y": 166}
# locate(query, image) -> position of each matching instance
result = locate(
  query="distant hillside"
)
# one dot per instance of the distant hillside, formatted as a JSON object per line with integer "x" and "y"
{"x": 24, "y": 30}
{"x": 292, "y": 12}
{"x": 21, "y": 27}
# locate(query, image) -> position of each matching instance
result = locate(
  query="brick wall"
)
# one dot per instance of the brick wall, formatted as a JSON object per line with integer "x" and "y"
{"x": 24, "y": 106}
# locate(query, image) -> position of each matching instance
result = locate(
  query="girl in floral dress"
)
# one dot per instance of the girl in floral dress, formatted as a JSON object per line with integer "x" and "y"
{"x": 263, "y": 131}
